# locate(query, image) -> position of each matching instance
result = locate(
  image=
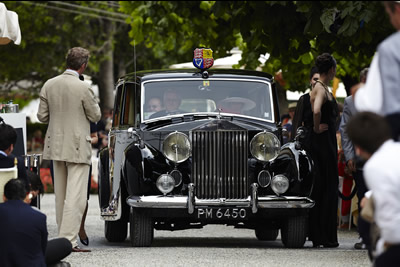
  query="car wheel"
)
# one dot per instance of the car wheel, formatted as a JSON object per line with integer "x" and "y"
{"x": 266, "y": 234}
{"x": 141, "y": 228}
{"x": 103, "y": 179}
{"x": 294, "y": 232}
{"x": 116, "y": 231}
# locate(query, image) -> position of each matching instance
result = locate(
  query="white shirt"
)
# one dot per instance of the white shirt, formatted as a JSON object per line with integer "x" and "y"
{"x": 73, "y": 72}
{"x": 382, "y": 175}
{"x": 369, "y": 97}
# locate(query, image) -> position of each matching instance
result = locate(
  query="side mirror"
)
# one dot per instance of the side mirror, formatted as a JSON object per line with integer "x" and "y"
{"x": 301, "y": 133}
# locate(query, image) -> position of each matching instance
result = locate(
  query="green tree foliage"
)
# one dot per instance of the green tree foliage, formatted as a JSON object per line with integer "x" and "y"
{"x": 49, "y": 29}
{"x": 292, "y": 32}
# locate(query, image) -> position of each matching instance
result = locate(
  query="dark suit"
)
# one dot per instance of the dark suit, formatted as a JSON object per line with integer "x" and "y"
{"x": 349, "y": 110}
{"x": 23, "y": 235}
{"x": 8, "y": 162}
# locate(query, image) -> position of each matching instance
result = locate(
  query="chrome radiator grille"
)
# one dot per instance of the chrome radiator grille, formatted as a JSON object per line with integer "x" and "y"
{"x": 219, "y": 164}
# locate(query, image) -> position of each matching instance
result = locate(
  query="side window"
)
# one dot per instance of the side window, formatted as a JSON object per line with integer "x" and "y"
{"x": 130, "y": 103}
{"x": 117, "y": 106}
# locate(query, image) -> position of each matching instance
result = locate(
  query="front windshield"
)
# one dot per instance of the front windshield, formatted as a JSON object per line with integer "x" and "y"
{"x": 249, "y": 98}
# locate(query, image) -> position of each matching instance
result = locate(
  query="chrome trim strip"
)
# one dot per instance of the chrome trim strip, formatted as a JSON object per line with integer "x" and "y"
{"x": 158, "y": 202}
{"x": 182, "y": 202}
{"x": 190, "y": 200}
{"x": 254, "y": 198}
{"x": 285, "y": 202}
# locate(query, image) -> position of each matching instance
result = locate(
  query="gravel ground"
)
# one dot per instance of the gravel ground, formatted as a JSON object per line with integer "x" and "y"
{"x": 214, "y": 245}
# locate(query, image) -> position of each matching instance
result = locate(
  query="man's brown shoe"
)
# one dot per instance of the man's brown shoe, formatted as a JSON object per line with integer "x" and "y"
{"x": 78, "y": 249}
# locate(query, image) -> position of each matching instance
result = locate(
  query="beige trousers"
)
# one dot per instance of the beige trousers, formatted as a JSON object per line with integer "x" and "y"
{"x": 70, "y": 189}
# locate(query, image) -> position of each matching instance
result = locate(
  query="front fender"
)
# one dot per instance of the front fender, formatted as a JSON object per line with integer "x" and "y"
{"x": 133, "y": 170}
{"x": 298, "y": 166}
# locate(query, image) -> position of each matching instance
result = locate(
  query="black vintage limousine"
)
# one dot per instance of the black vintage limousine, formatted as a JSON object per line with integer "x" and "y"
{"x": 211, "y": 154}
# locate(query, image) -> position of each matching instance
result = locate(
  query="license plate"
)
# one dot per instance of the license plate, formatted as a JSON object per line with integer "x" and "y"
{"x": 222, "y": 213}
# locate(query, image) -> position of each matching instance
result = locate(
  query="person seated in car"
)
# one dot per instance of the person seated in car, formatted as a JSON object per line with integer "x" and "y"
{"x": 236, "y": 105}
{"x": 172, "y": 101}
{"x": 154, "y": 105}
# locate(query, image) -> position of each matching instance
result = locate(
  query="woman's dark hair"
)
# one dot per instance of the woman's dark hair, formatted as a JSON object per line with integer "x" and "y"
{"x": 325, "y": 62}
{"x": 368, "y": 131}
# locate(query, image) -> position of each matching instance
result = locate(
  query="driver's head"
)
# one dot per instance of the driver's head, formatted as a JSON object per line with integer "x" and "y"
{"x": 172, "y": 100}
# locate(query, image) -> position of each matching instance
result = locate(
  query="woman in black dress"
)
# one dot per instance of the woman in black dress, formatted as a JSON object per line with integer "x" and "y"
{"x": 323, "y": 216}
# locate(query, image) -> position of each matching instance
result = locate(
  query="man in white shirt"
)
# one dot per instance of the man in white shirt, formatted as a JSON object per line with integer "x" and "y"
{"x": 381, "y": 93}
{"x": 371, "y": 136}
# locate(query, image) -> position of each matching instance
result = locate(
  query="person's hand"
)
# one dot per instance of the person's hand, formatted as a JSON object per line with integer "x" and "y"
{"x": 363, "y": 201}
{"x": 322, "y": 128}
{"x": 351, "y": 165}
{"x": 28, "y": 197}
{"x": 31, "y": 195}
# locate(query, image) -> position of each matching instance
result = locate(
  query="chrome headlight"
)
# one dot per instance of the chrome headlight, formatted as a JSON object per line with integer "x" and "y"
{"x": 165, "y": 183}
{"x": 280, "y": 184}
{"x": 176, "y": 147}
{"x": 265, "y": 146}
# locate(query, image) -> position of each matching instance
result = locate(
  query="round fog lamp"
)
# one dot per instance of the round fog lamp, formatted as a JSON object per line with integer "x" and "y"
{"x": 280, "y": 184}
{"x": 165, "y": 183}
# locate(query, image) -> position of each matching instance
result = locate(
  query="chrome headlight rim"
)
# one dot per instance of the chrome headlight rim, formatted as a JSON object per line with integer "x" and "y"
{"x": 280, "y": 184}
{"x": 254, "y": 149}
{"x": 165, "y": 183}
{"x": 187, "y": 147}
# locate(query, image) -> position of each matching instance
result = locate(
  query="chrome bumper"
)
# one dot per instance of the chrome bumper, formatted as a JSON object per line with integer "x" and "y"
{"x": 190, "y": 202}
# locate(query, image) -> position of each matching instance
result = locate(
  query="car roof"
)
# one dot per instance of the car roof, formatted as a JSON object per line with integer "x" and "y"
{"x": 194, "y": 73}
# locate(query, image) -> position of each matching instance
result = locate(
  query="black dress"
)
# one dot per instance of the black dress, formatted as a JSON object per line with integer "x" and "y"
{"x": 303, "y": 116}
{"x": 323, "y": 216}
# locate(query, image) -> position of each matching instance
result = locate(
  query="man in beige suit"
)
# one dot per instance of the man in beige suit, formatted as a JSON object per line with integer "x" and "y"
{"x": 68, "y": 105}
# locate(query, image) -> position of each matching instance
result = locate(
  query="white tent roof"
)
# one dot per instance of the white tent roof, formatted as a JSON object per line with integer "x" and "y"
{"x": 9, "y": 26}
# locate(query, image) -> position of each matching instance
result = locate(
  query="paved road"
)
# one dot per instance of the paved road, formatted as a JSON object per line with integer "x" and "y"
{"x": 214, "y": 245}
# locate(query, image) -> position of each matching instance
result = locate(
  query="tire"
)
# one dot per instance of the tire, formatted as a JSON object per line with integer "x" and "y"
{"x": 266, "y": 234}
{"x": 103, "y": 178}
{"x": 141, "y": 228}
{"x": 294, "y": 232}
{"x": 116, "y": 231}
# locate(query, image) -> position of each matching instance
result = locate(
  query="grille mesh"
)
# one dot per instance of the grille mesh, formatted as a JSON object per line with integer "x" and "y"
{"x": 220, "y": 164}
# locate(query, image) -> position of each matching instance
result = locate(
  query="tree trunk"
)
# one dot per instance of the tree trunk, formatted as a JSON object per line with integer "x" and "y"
{"x": 106, "y": 72}
{"x": 106, "y": 82}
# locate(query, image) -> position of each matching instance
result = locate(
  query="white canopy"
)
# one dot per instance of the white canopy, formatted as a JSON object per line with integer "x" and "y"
{"x": 9, "y": 26}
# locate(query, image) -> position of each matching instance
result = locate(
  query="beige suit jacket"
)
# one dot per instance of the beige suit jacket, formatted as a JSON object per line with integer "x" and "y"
{"x": 68, "y": 105}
